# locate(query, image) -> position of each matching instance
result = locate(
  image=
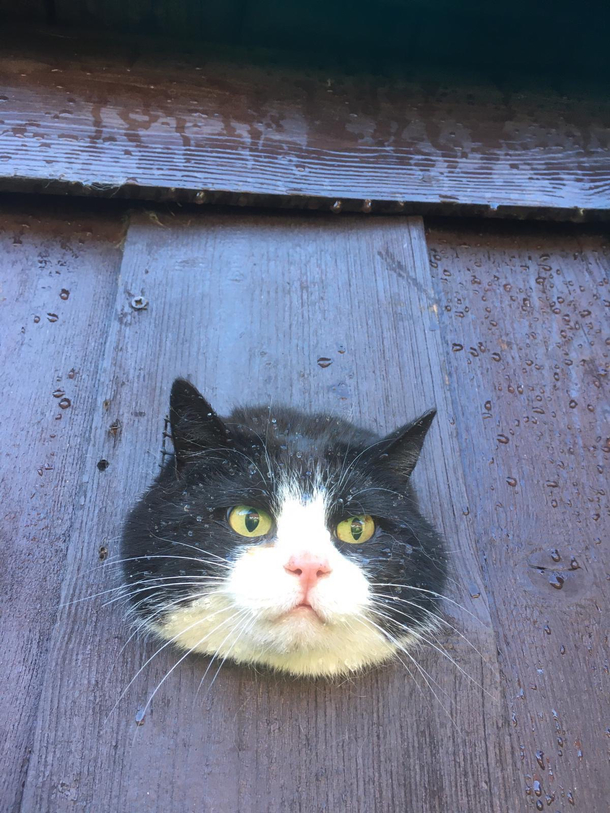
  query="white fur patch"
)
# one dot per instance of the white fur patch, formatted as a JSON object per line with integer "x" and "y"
{"x": 251, "y": 618}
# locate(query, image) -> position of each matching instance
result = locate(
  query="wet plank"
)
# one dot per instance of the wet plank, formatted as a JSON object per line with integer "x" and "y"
{"x": 57, "y": 288}
{"x": 255, "y": 743}
{"x": 83, "y": 116}
{"x": 524, "y": 315}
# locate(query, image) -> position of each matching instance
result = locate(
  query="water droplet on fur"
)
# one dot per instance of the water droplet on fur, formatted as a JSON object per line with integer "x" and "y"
{"x": 540, "y": 758}
{"x": 65, "y": 403}
{"x": 140, "y": 715}
{"x": 64, "y": 293}
{"x": 52, "y": 317}
{"x": 502, "y": 439}
{"x": 574, "y": 564}
{"x": 511, "y": 481}
{"x": 555, "y": 555}
{"x": 199, "y": 519}
{"x": 341, "y": 349}
{"x": 59, "y": 393}
{"x": 324, "y": 362}
{"x": 102, "y": 464}
{"x": 190, "y": 533}
{"x": 456, "y": 347}
{"x": 36, "y": 320}
{"x": 556, "y": 581}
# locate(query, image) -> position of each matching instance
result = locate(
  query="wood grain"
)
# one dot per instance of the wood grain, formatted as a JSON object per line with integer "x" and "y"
{"x": 245, "y": 306}
{"x": 524, "y": 315}
{"x": 79, "y": 115}
{"x": 57, "y": 288}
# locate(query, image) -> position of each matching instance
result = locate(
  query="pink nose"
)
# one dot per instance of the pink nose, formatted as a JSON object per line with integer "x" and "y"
{"x": 308, "y": 568}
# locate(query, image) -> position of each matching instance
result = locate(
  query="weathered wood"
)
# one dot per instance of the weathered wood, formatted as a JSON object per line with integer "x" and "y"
{"x": 78, "y": 115}
{"x": 525, "y": 312}
{"x": 57, "y": 288}
{"x": 246, "y": 305}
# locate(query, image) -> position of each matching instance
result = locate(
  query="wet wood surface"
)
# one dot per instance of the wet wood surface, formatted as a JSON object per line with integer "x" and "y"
{"x": 57, "y": 293}
{"x": 526, "y": 719}
{"x": 82, "y": 115}
{"x": 526, "y": 329}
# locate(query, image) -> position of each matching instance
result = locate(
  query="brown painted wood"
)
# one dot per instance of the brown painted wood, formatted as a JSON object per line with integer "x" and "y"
{"x": 525, "y": 325}
{"x": 80, "y": 115}
{"x": 245, "y": 306}
{"x": 58, "y": 284}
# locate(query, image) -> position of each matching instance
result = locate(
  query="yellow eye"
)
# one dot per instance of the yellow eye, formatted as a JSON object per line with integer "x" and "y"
{"x": 248, "y": 521}
{"x": 356, "y": 530}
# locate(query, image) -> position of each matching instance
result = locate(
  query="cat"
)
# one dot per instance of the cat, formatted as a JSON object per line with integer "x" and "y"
{"x": 280, "y": 539}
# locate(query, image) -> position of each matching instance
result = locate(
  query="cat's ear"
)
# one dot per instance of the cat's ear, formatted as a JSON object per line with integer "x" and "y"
{"x": 403, "y": 446}
{"x": 195, "y": 425}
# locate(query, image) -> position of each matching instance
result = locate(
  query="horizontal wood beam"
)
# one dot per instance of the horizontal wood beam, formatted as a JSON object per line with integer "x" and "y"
{"x": 82, "y": 116}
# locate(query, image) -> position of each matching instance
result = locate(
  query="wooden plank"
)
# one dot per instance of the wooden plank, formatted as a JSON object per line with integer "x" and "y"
{"x": 81, "y": 116}
{"x": 525, "y": 311}
{"x": 256, "y": 743}
{"x": 57, "y": 288}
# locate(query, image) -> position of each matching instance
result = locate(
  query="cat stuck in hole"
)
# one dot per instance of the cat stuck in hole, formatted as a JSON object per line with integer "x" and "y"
{"x": 280, "y": 539}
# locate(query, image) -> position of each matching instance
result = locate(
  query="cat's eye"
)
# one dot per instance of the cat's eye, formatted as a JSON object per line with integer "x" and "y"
{"x": 248, "y": 521}
{"x": 356, "y": 530}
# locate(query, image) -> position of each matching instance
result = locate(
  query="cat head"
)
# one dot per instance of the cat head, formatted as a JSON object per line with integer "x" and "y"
{"x": 284, "y": 539}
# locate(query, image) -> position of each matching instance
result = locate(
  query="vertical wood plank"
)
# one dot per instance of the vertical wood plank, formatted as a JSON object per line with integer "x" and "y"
{"x": 246, "y": 306}
{"x": 525, "y": 312}
{"x": 57, "y": 289}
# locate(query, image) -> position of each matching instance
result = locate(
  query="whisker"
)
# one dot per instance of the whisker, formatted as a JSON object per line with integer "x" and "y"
{"x": 420, "y": 637}
{"x": 158, "y": 651}
{"x": 438, "y": 618}
{"x": 183, "y": 657}
{"x": 432, "y": 593}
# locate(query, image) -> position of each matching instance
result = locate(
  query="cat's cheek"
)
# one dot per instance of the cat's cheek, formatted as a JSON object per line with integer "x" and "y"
{"x": 259, "y": 582}
{"x": 345, "y": 593}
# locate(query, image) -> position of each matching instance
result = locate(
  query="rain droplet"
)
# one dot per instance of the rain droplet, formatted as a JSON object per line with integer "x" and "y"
{"x": 52, "y": 317}
{"x": 556, "y": 581}
{"x": 324, "y": 362}
{"x": 36, "y": 320}
{"x": 540, "y": 758}
{"x": 457, "y": 347}
{"x": 64, "y": 293}
{"x": 502, "y": 439}
{"x": 65, "y": 403}
{"x": 555, "y": 555}
{"x": 511, "y": 481}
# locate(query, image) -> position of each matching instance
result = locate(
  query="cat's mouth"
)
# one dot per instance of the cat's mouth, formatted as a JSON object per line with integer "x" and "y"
{"x": 303, "y": 610}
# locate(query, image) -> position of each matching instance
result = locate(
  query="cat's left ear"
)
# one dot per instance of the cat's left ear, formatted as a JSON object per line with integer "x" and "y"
{"x": 404, "y": 445}
{"x": 196, "y": 428}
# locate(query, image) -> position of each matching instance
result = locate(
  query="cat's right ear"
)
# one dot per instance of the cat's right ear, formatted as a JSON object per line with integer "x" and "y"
{"x": 196, "y": 428}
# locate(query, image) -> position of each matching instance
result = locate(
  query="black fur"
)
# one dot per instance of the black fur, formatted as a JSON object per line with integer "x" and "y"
{"x": 220, "y": 463}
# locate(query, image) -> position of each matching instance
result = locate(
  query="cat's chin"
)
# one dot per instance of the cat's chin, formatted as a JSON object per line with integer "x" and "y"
{"x": 299, "y": 641}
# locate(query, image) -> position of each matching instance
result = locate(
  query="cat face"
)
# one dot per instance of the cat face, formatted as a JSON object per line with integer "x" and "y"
{"x": 280, "y": 539}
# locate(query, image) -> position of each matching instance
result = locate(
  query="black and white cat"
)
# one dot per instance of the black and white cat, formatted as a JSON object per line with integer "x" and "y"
{"x": 283, "y": 539}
